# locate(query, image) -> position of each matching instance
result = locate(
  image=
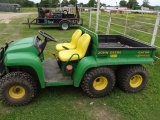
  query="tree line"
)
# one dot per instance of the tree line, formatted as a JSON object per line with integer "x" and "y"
{"x": 131, "y": 3}
{"x": 92, "y": 3}
{"x": 56, "y": 3}
{"x": 23, "y": 3}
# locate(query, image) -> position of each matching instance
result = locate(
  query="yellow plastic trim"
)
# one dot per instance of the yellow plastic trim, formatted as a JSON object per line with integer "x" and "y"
{"x": 100, "y": 83}
{"x": 136, "y": 81}
{"x": 17, "y": 92}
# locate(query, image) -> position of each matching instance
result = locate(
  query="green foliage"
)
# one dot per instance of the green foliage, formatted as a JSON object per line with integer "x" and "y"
{"x": 49, "y": 3}
{"x": 91, "y": 3}
{"x": 85, "y": 5}
{"x": 122, "y": 3}
{"x": 102, "y": 4}
{"x": 131, "y": 3}
{"x": 28, "y": 3}
{"x": 145, "y": 3}
{"x": 23, "y": 3}
{"x": 73, "y": 2}
{"x": 64, "y": 3}
{"x": 81, "y": 4}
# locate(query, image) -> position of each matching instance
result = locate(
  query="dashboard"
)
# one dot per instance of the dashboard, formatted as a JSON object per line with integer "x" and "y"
{"x": 37, "y": 43}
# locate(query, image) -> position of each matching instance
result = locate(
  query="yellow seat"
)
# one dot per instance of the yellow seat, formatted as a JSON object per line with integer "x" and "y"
{"x": 82, "y": 46}
{"x": 73, "y": 44}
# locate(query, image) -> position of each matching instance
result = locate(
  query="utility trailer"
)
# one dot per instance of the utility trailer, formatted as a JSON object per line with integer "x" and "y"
{"x": 96, "y": 64}
{"x": 63, "y": 19}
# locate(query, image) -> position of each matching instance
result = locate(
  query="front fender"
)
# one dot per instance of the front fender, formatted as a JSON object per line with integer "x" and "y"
{"x": 26, "y": 59}
{"x": 85, "y": 64}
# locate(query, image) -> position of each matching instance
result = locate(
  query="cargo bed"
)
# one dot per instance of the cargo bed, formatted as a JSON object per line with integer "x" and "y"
{"x": 120, "y": 42}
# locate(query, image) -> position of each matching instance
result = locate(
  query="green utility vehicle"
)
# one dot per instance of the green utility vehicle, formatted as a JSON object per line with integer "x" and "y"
{"x": 96, "y": 64}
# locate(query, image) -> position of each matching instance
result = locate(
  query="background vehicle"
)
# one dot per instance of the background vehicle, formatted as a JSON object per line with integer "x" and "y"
{"x": 63, "y": 19}
{"x": 98, "y": 62}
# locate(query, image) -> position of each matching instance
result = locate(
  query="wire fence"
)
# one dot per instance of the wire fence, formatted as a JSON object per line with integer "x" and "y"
{"x": 141, "y": 27}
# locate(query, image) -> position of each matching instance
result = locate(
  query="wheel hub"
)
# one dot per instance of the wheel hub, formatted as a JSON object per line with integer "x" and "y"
{"x": 136, "y": 81}
{"x": 65, "y": 26}
{"x": 98, "y": 80}
{"x": 17, "y": 92}
{"x": 100, "y": 83}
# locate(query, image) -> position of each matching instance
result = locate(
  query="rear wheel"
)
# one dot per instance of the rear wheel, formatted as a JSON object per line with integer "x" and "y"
{"x": 17, "y": 88}
{"x": 98, "y": 82}
{"x": 64, "y": 25}
{"x": 132, "y": 78}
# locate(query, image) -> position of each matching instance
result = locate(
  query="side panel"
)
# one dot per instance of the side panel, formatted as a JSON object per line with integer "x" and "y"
{"x": 26, "y": 59}
{"x": 123, "y": 61}
{"x": 90, "y": 62}
{"x": 85, "y": 64}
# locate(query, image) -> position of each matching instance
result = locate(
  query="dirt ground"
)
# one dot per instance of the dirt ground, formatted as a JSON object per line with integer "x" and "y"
{"x": 6, "y": 17}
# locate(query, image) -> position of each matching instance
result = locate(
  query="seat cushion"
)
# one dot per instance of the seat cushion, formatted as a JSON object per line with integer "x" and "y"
{"x": 66, "y": 54}
{"x": 60, "y": 47}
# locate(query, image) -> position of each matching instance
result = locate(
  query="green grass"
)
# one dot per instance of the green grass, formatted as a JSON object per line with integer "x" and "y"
{"x": 29, "y": 10}
{"x": 70, "y": 103}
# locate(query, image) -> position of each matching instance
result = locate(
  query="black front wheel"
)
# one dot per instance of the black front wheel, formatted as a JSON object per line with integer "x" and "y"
{"x": 98, "y": 82}
{"x": 17, "y": 88}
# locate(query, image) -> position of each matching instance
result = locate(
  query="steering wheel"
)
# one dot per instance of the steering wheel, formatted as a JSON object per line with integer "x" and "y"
{"x": 45, "y": 35}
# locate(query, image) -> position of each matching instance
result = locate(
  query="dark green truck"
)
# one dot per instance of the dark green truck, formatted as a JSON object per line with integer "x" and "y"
{"x": 98, "y": 62}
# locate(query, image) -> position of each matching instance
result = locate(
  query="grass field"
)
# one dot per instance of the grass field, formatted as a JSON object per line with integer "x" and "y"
{"x": 69, "y": 103}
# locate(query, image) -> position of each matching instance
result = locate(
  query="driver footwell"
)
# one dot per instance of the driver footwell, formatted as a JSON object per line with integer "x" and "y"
{"x": 52, "y": 72}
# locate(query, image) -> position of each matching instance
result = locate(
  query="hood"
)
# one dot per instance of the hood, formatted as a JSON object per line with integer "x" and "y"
{"x": 22, "y": 45}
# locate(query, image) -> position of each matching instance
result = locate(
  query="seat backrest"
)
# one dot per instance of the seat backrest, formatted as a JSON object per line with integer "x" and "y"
{"x": 82, "y": 45}
{"x": 76, "y": 35}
